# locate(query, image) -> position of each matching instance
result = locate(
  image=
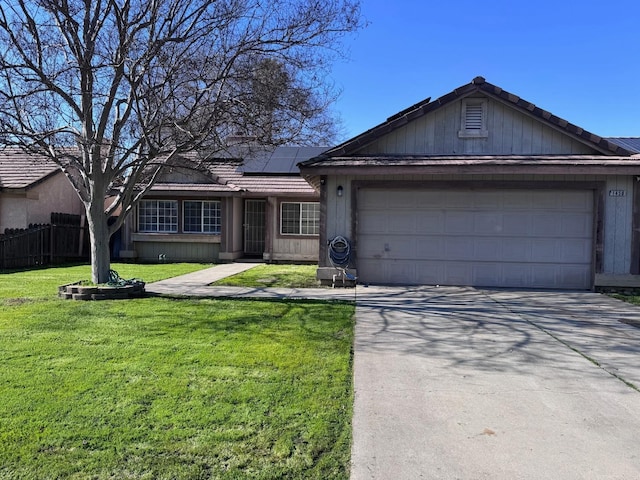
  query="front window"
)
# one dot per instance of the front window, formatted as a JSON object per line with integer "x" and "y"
{"x": 158, "y": 216}
{"x": 202, "y": 217}
{"x": 300, "y": 218}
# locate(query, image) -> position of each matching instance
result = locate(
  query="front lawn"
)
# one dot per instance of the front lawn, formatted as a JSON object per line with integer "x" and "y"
{"x": 160, "y": 388}
{"x": 287, "y": 276}
{"x": 43, "y": 283}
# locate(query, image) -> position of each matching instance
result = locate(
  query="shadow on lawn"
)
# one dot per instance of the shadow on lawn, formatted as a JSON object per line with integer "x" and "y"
{"x": 317, "y": 320}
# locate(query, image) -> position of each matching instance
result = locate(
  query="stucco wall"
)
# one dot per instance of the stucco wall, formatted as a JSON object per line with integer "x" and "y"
{"x": 36, "y": 204}
{"x": 13, "y": 211}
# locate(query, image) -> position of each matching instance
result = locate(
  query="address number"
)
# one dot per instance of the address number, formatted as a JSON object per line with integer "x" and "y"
{"x": 616, "y": 193}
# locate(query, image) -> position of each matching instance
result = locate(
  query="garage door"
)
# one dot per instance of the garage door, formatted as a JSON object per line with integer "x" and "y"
{"x": 500, "y": 238}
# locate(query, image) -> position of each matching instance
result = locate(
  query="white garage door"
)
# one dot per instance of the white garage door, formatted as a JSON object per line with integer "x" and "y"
{"x": 500, "y": 238}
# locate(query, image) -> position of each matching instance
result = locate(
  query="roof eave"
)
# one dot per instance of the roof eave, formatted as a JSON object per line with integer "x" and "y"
{"x": 375, "y": 166}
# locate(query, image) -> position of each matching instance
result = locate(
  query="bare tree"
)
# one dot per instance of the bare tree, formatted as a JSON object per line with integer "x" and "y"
{"x": 112, "y": 90}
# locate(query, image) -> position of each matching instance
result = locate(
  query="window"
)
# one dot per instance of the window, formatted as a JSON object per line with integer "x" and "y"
{"x": 474, "y": 118}
{"x": 300, "y": 218}
{"x": 201, "y": 217}
{"x": 158, "y": 216}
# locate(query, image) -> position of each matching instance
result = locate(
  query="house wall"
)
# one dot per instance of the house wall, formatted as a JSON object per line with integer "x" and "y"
{"x": 148, "y": 247}
{"x": 509, "y": 133}
{"x": 176, "y": 248}
{"x": 18, "y": 210}
{"x": 232, "y": 221}
{"x": 618, "y": 210}
{"x": 54, "y": 195}
{"x": 618, "y": 226}
{"x": 13, "y": 211}
{"x": 170, "y": 247}
{"x": 285, "y": 247}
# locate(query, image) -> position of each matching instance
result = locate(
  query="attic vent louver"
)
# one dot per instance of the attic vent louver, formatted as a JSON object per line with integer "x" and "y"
{"x": 474, "y": 118}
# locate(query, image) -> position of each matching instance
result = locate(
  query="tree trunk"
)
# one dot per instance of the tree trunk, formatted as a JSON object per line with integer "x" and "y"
{"x": 99, "y": 236}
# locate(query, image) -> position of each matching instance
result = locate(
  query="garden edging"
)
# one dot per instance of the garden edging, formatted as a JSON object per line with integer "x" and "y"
{"x": 79, "y": 291}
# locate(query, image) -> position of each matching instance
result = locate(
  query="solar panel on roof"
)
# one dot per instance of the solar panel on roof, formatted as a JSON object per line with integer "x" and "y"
{"x": 630, "y": 143}
{"x": 281, "y": 160}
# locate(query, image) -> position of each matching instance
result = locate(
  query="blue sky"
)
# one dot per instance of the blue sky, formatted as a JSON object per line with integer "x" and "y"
{"x": 578, "y": 59}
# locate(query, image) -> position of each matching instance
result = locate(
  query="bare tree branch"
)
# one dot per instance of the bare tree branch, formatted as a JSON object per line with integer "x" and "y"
{"x": 111, "y": 90}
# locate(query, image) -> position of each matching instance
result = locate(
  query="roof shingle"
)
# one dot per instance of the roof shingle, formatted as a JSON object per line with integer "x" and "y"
{"x": 21, "y": 170}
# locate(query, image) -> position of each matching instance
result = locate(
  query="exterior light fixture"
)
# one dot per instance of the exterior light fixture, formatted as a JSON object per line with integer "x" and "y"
{"x": 339, "y": 190}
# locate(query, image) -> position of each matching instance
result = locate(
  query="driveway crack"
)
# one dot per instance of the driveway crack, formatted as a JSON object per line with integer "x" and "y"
{"x": 560, "y": 340}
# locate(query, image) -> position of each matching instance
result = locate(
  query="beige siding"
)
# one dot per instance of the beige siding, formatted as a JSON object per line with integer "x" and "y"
{"x": 617, "y": 210}
{"x": 509, "y": 132}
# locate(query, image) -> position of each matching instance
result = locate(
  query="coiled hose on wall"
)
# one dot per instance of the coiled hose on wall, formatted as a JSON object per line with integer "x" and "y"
{"x": 339, "y": 252}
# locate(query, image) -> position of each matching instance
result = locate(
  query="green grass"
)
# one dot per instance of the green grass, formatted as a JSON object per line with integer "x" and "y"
{"x": 159, "y": 388}
{"x": 288, "y": 276}
{"x": 43, "y": 283}
{"x": 635, "y": 299}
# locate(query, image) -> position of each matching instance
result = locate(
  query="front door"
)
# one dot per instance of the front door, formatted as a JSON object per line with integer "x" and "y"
{"x": 254, "y": 226}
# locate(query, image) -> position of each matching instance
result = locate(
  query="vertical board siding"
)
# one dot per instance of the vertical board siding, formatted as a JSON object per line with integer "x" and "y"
{"x": 617, "y": 226}
{"x": 510, "y": 132}
{"x": 295, "y": 249}
{"x": 178, "y": 252}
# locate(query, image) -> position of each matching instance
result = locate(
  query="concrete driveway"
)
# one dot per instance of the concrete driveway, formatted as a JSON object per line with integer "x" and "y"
{"x": 461, "y": 383}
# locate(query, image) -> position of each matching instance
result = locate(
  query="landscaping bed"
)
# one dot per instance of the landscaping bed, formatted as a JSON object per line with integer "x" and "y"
{"x": 81, "y": 291}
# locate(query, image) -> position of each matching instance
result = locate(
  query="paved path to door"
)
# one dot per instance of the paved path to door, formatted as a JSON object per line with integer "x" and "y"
{"x": 459, "y": 383}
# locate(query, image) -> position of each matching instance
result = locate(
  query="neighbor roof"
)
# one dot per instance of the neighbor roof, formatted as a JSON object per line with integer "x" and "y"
{"x": 22, "y": 170}
{"x": 479, "y": 84}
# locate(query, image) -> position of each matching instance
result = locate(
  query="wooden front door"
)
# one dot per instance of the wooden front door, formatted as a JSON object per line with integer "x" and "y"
{"x": 254, "y": 226}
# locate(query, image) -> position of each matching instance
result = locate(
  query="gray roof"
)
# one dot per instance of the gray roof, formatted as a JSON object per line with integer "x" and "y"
{"x": 629, "y": 143}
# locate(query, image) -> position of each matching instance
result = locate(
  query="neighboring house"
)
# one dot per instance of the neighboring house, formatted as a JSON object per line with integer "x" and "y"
{"x": 254, "y": 204}
{"x": 481, "y": 188}
{"x": 31, "y": 189}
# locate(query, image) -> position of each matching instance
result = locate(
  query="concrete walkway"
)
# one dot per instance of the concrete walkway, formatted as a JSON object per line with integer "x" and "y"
{"x": 198, "y": 284}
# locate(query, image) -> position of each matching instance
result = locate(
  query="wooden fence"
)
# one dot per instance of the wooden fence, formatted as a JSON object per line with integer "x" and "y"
{"x": 63, "y": 240}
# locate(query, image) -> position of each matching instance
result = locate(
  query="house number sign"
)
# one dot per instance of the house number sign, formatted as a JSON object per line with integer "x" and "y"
{"x": 616, "y": 193}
